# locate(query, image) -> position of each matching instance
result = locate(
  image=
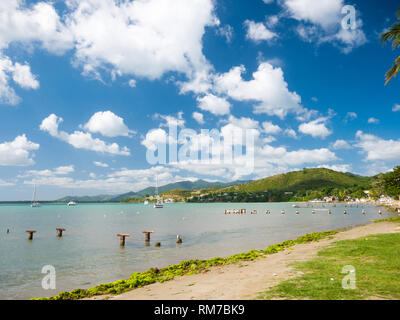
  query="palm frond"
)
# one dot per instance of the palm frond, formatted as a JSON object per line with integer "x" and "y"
{"x": 394, "y": 70}
{"x": 393, "y": 35}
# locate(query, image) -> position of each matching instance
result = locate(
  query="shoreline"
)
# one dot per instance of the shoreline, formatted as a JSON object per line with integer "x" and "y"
{"x": 246, "y": 280}
{"x": 144, "y": 282}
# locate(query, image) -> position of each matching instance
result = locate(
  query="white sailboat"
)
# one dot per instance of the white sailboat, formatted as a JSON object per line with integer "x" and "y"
{"x": 72, "y": 203}
{"x": 34, "y": 203}
{"x": 159, "y": 202}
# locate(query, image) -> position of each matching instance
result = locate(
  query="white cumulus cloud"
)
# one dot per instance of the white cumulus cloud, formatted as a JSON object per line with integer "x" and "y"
{"x": 216, "y": 105}
{"x": 341, "y": 144}
{"x": 80, "y": 139}
{"x": 147, "y": 38}
{"x": 257, "y": 31}
{"x": 199, "y": 117}
{"x": 100, "y": 164}
{"x": 321, "y": 21}
{"x": 268, "y": 87}
{"x": 17, "y": 152}
{"x": 20, "y": 74}
{"x": 271, "y": 128}
{"x": 107, "y": 124}
{"x": 316, "y": 128}
{"x": 377, "y": 148}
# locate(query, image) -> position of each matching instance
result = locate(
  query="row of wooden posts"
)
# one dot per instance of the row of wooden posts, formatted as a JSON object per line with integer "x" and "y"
{"x": 243, "y": 211}
{"x": 122, "y": 237}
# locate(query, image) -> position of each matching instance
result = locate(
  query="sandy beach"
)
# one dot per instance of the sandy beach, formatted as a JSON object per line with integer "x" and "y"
{"x": 246, "y": 280}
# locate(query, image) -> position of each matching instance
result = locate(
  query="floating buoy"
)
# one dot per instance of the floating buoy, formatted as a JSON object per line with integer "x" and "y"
{"x": 345, "y": 211}
{"x": 283, "y": 212}
{"x": 363, "y": 212}
{"x": 60, "y": 232}
{"x": 31, "y": 232}
{"x": 313, "y": 212}
{"x": 297, "y": 212}
{"x": 380, "y": 212}
{"x": 179, "y": 239}
{"x": 329, "y": 212}
{"x": 122, "y": 239}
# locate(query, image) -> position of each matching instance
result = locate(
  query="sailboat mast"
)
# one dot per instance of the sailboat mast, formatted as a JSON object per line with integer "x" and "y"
{"x": 34, "y": 193}
{"x": 157, "y": 186}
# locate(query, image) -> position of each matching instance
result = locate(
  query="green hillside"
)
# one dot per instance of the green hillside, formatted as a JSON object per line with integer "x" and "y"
{"x": 99, "y": 198}
{"x": 307, "y": 179}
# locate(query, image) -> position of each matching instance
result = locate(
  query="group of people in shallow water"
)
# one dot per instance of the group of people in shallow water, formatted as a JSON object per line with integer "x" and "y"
{"x": 236, "y": 211}
{"x": 243, "y": 211}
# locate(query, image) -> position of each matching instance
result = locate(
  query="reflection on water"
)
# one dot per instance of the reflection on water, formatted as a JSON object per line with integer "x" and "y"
{"x": 89, "y": 251}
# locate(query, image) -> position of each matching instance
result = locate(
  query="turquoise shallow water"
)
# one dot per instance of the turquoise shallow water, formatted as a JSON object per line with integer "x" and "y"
{"x": 89, "y": 252}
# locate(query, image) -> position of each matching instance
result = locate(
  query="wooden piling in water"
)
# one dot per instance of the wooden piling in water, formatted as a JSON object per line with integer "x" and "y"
{"x": 178, "y": 239}
{"x": 60, "y": 232}
{"x": 31, "y": 232}
{"x": 147, "y": 235}
{"x": 122, "y": 239}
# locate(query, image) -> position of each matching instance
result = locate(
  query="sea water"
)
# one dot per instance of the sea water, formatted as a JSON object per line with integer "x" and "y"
{"x": 89, "y": 252}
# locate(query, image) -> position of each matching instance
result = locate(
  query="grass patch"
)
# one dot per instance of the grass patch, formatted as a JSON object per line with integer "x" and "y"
{"x": 376, "y": 260}
{"x": 393, "y": 219}
{"x": 184, "y": 268}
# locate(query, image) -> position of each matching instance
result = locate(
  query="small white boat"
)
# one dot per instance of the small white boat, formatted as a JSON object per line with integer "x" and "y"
{"x": 71, "y": 204}
{"x": 158, "y": 205}
{"x": 146, "y": 203}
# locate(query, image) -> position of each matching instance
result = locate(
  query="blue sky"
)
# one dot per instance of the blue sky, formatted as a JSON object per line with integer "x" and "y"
{"x": 86, "y": 87}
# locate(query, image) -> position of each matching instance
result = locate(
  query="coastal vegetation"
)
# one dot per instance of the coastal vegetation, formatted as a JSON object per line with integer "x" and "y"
{"x": 154, "y": 275}
{"x": 391, "y": 182}
{"x": 376, "y": 261}
{"x": 303, "y": 185}
{"x": 296, "y": 186}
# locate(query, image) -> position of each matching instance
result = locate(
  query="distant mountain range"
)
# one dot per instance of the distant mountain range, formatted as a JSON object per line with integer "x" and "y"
{"x": 183, "y": 185}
